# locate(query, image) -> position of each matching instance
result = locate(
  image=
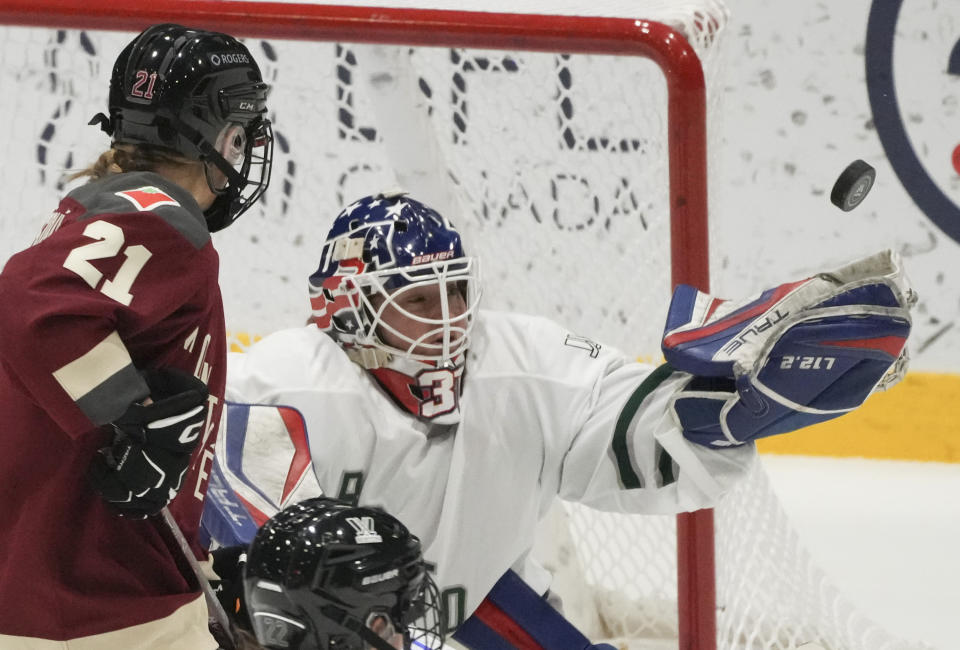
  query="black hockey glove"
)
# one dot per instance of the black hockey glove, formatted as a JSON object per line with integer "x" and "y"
{"x": 141, "y": 471}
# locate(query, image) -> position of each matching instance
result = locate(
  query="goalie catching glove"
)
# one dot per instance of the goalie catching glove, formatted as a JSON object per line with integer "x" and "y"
{"x": 798, "y": 354}
{"x": 141, "y": 471}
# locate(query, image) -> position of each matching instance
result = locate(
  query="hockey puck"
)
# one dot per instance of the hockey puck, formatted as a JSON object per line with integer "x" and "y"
{"x": 853, "y": 185}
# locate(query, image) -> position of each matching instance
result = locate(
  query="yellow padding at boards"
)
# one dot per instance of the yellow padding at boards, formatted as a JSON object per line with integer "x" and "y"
{"x": 918, "y": 419}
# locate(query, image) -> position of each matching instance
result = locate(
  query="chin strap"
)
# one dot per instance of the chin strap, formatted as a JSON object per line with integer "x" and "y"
{"x": 369, "y": 358}
{"x": 208, "y": 154}
{"x": 218, "y": 215}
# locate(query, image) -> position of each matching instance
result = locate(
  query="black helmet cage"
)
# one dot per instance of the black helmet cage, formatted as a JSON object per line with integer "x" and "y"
{"x": 179, "y": 89}
{"x": 416, "y": 617}
{"x": 317, "y": 578}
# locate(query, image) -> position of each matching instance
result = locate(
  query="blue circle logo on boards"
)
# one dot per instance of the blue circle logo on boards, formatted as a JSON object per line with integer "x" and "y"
{"x": 888, "y": 115}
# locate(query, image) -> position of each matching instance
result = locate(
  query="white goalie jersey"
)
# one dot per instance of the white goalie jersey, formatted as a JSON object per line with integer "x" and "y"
{"x": 544, "y": 414}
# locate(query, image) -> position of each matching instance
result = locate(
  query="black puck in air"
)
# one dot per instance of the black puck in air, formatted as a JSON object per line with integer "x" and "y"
{"x": 853, "y": 185}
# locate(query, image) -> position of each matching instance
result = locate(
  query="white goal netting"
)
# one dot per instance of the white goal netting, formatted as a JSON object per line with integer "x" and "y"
{"x": 771, "y": 595}
{"x": 554, "y": 166}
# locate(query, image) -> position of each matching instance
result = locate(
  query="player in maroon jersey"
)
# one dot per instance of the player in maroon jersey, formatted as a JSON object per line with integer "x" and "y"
{"x": 113, "y": 353}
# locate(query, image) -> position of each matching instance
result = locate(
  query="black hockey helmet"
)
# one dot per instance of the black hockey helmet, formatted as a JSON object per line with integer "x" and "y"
{"x": 199, "y": 94}
{"x": 324, "y": 574}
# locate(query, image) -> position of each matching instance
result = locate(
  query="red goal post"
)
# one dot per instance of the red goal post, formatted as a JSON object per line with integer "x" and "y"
{"x": 686, "y": 134}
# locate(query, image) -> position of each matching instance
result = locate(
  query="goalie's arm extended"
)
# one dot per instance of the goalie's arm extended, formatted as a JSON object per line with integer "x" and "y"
{"x": 630, "y": 455}
{"x": 797, "y": 354}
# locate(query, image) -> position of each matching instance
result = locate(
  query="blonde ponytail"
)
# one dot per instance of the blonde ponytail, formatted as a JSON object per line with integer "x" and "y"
{"x": 131, "y": 158}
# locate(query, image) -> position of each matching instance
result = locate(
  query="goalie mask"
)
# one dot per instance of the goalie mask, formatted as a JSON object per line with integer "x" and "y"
{"x": 398, "y": 294}
{"x": 199, "y": 94}
{"x": 327, "y": 575}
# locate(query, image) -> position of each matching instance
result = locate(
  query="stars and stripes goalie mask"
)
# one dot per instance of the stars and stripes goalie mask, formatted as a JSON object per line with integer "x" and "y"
{"x": 395, "y": 290}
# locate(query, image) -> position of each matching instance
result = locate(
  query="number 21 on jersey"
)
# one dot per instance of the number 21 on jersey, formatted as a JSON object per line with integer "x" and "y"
{"x": 109, "y": 242}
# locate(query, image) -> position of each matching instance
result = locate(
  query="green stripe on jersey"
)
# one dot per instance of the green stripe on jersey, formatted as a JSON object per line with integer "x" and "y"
{"x": 628, "y": 476}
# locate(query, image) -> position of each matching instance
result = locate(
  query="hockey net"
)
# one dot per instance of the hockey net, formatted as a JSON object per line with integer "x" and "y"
{"x": 562, "y": 169}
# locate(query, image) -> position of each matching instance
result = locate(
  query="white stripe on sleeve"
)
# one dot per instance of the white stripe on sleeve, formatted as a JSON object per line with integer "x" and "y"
{"x": 101, "y": 362}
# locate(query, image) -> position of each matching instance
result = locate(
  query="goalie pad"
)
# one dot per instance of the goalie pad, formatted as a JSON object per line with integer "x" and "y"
{"x": 795, "y": 355}
{"x": 262, "y": 465}
{"x": 514, "y": 616}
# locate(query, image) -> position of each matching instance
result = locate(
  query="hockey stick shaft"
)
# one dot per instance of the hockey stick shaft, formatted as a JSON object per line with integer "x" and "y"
{"x": 213, "y": 603}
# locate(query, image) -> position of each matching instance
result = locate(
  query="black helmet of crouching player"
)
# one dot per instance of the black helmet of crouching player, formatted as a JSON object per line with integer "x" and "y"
{"x": 324, "y": 574}
{"x": 199, "y": 94}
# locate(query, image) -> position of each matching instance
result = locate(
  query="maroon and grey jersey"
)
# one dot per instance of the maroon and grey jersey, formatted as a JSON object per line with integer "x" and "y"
{"x": 123, "y": 278}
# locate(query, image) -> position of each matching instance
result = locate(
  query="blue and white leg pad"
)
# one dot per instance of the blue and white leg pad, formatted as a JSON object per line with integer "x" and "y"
{"x": 248, "y": 485}
{"x": 513, "y": 616}
{"x": 797, "y": 354}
